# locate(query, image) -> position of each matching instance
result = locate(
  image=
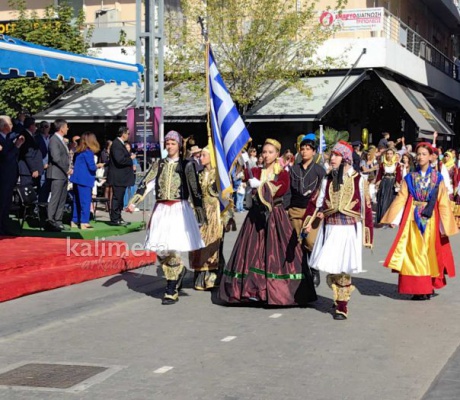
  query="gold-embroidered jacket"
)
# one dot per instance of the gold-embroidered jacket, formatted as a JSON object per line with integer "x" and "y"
{"x": 345, "y": 206}
{"x": 172, "y": 181}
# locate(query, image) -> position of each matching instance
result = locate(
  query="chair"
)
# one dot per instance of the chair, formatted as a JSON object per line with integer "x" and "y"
{"x": 99, "y": 199}
{"x": 96, "y": 201}
{"x": 29, "y": 205}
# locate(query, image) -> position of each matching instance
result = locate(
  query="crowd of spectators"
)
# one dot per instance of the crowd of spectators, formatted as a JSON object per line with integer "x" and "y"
{"x": 40, "y": 165}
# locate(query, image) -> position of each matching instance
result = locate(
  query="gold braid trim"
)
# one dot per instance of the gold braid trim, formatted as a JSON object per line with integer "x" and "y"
{"x": 273, "y": 188}
{"x": 142, "y": 188}
{"x": 367, "y": 195}
{"x": 341, "y": 286}
{"x": 172, "y": 273}
{"x": 261, "y": 197}
{"x": 367, "y": 242}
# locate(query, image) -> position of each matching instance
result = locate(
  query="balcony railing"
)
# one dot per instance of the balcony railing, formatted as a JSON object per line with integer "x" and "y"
{"x": 397, "y": 31}
{"x": 393, "y": 29}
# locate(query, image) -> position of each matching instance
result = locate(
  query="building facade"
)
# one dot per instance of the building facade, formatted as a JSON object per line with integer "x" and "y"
{"x": 399, "y": 73}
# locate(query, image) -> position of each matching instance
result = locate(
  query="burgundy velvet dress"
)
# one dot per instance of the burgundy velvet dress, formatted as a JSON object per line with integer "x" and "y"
{"x": 266, "y": 264}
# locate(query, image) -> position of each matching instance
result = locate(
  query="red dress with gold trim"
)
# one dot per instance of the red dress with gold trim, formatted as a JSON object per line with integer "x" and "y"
{"x": 266, "y": 264}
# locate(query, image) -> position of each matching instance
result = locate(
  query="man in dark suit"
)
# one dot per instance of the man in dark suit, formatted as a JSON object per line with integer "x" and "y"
{"x": 120, "y": 174}
{"x": 357, "y": 147}
{"x": 30, "y": 156}
{"x": 42, "y": 137}
{"x": 58, "y": 172}
{"x": 9, "y": 151}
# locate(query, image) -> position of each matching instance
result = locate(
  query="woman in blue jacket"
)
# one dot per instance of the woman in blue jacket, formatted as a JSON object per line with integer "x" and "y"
{"x": 83, "y": 178}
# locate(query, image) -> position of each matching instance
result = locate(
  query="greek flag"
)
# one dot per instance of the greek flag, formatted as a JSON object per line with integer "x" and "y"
{"x": 322, "y": 141}
{"x": 229, "y": 134}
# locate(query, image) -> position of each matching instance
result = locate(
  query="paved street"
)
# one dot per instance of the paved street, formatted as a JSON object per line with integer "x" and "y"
{"x": 390, "y": 348}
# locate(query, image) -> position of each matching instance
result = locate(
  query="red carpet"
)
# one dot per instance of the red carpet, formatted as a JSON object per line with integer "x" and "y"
{"x": 31, "y": 264}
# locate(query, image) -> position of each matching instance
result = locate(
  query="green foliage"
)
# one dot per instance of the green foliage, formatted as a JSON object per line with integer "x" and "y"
{"x": 260, "y": 45}
{"x": 124, "y": 41}
{"x": 332, "y": 136}
{"x": 58, "y": 29}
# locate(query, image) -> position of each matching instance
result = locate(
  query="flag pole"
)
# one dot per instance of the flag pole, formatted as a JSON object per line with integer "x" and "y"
{"x": 321, "y": 138}
{"x": 204, "y": 32}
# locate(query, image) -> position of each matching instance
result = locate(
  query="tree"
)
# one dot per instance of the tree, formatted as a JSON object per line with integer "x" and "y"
{"x": 260, "y": 45}
{"x": 332, "y": 136}
{"x": 58, "y": 29}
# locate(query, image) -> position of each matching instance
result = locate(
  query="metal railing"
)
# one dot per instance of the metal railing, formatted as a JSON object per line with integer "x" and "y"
{"x": 397, "y": 31}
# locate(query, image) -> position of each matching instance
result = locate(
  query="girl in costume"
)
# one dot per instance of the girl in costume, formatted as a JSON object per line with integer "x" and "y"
{"x": 387, "y": 182}
{"x": 207, "y": 261}
{"x": 369, "y": 168}
{"x": 407, "y": 164}
{"x": 266, "y": 262}
{"x": 449, "y": 162}
{"x": 344, "y": 205}
{"x": 421, "y": 252}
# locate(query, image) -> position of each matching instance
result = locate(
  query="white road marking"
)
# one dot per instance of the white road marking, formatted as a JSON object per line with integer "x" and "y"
{"x": 162, "y": 370}
{"x": 228, "y": 338}
{"x": 277, "y": 315}
{"x": 381, "y": 261}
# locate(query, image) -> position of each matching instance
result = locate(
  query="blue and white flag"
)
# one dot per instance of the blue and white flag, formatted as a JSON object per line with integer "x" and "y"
{"x": 229, "y": 133}
{"x": 322, "y": 141}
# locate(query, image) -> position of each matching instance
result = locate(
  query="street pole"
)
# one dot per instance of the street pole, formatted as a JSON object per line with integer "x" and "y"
{"x": 150, "y": 37}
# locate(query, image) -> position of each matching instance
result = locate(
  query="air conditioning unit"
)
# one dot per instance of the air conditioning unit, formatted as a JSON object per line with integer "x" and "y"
{"x": 107, "y": 17}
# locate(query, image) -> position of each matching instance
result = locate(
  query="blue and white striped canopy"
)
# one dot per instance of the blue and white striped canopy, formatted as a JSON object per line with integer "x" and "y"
{"x": 23, "y": 59}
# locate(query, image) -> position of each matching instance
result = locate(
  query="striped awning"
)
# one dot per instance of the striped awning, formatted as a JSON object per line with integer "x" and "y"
{"x": 22, "y": 59}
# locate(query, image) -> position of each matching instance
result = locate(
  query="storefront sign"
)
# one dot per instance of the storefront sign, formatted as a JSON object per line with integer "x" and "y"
{"x": 365, "y": 19}
{"x": 6, "y": 27}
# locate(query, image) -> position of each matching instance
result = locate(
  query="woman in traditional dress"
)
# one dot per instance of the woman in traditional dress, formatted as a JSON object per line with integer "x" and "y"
{"x": 387, "y": 182}
{"x": 449, "y": 162}
{"x": 344, "y": 205}
{"x": 266, "y": 262}
{"x": 421, "y": 252}
{"x": 370, "y": 164}
{"x": 369, "y": 168}
{"x": 207, "y": 261}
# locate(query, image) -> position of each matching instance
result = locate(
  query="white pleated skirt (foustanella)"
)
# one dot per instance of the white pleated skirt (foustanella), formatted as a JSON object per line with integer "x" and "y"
{"x": 338, "y": 249}
{"x": 173, "y": 227}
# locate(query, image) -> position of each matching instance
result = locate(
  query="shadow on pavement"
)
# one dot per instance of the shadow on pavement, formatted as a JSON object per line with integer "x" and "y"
{"x": 149, "y": 285}
{"x": 369, "y": 287}
{"x": 323, "y": 304}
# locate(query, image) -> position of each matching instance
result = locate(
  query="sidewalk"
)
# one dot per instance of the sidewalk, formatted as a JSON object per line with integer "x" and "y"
{"x": 389, "y": 349}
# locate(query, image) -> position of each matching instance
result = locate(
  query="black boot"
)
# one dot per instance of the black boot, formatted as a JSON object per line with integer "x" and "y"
{"x": 316, "y": 277}
{"x": 171, "y": 295}
{"x": 180, "y": 279}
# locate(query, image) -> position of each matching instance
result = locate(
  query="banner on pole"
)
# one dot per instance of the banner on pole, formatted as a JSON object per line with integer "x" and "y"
{"x": 135, "y": 121}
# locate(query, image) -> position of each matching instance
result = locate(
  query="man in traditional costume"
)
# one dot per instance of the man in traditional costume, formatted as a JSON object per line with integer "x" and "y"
{"x": 345, "y": 206}
{"x": 173, "y": 227}
{"x": 305, "y": 177}
{"x": 421, "y": 252}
